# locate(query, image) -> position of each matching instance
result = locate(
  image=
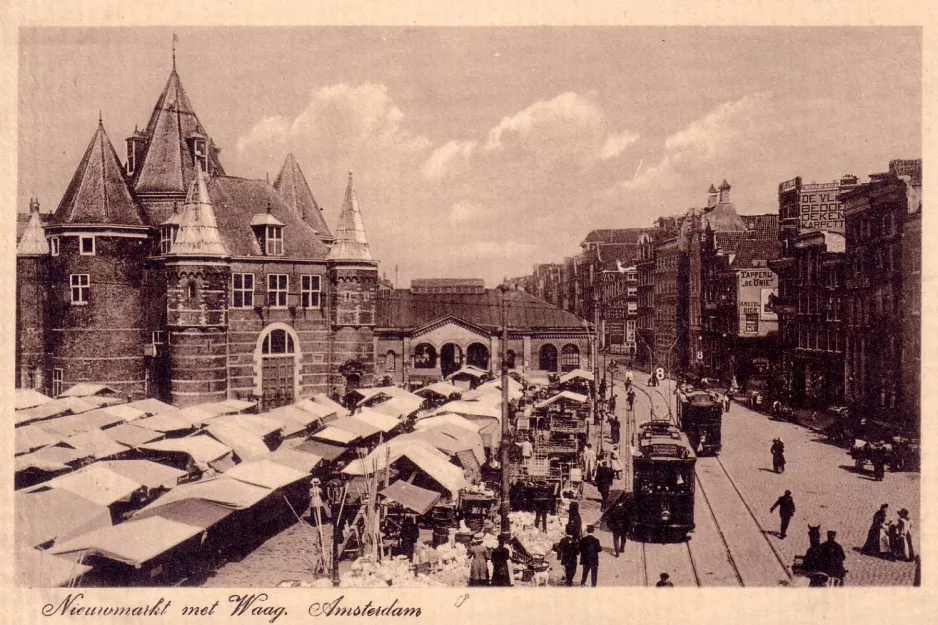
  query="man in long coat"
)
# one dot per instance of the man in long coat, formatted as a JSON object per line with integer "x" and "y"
{"x": 589, "y": 556}
{"x": 567, "y": 552}
{"x": 786, "y": 510}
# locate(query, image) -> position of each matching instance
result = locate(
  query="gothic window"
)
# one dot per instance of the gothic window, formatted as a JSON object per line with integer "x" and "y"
{"x": 242, "y": 290}
{"x": 277, "y": 342}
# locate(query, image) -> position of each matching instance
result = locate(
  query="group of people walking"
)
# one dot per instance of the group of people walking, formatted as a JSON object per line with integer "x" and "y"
{"x": 479, "y": 556}
{"x": 890, "y": 539}
{"x": 573, "y": 548}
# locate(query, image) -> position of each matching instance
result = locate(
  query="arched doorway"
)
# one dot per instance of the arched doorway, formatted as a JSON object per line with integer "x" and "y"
{"x": 478, "y": 356}
{"x": 569, "y": 358}
{"x": 424, "y": 356}
{"x": 450, "y": 359}
{"x": 278, "y": 355}
{"x": 547, "y": 358}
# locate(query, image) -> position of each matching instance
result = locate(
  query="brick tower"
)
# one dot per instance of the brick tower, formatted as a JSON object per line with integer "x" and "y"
{"x": 354, "y": 277}
{"x": 32, "y": 257}
{"x": 198, "y": 273}
{"x": 99, "y": 239}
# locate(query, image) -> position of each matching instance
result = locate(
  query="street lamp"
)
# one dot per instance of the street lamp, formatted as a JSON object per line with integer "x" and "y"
{"x": 506, "y": 433}
{"x": 335, "y": 489}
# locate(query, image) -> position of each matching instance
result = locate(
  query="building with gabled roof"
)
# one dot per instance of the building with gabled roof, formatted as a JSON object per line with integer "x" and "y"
{"x": 164, "y": 277}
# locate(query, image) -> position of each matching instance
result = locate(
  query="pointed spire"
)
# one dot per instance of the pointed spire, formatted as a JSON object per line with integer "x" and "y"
{"x": 175, "y": 39}
{"x": 33, "y": 242}
{"x": 350, "y": 240}
{"x": 98, "y": 193}
{"x": 291, "y": 184}
{"x": 725, "y": 184}
{"x": 198, "y": 232}
{"x": 712, "y": 189}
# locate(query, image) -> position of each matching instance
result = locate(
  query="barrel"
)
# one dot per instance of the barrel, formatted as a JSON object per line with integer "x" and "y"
{"x": 440, "y": 536}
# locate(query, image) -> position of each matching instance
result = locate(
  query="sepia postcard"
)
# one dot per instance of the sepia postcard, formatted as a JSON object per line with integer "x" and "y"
{"x": 353, "y": 315}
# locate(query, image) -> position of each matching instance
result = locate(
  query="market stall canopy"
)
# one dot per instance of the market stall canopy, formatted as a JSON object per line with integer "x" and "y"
{"x": 388, "y": 452}
{"x": 448, "y": 444}
{"x": 306, "y": 414}
{"x": 315, "y": 411}
{"x": 131, "y": 435}
{"x": 335, "y": 435}
{"x": 227, "y": 406}
{"x": 233, "y": 494}
{"x": 430, "y": 461}
{"x": 515, "y": 388}
{"x": 39, "y": 569}
{"x": 325, "y": 400}
{"x": 28, "y": 398}
{"x": 247, "y": 445}
{"x": 164, "y": 423}
{"x": 399, "y": 407}
{"x": 354, "y": 425}
{"x": 145, "y": 472}
{"x": 255, "y": 424}
{"x": 87, "y": 389}
{"x": 96, "y": 483}
{"x": 31, "y": 437}
{"x": 196, "y": 417}
{"x": 450, "y": 420}
{"x": 324, "y": 450}
{"x": 577, "y": 374}
{"x": 54, "y": 514}
{"x": 125, "y": 411}
{"x": 295, "y": 459}
{"x": 95, "y": 444}
{"x": 97, "y": 419}
{"x": 563, "y": 395}
{"x": 55, "y": 408}
{"x": 50, "y": 459}
{"x": 134, "y": 542}
{"x": 373, "y": 417}
{"x": 411, "y": 497}
{"x": 202, "y": 448}
{"x": 442, "y": 389}
{"x": 265, "y": 473}
{"x": 66, "y": 426}
{"x": 534, "y": 378}
{"x": 470, "y": 371}
{"x": 153, "y": 406}
{"x": 489, "y": 397}
{"x": 491, "y": 433}
{"x": 468, "y": 409}
{"x": 194, "y": 512}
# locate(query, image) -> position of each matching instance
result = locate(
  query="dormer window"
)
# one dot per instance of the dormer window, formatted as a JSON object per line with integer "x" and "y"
{"x": 167, "y": 236}
{"x": 274, "y": 240}
{"x": 198, "y": 154}
{"x": 131, "y": 159}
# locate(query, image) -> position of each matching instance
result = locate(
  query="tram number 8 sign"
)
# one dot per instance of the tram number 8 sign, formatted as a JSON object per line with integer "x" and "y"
{"x": 659, "y": 373}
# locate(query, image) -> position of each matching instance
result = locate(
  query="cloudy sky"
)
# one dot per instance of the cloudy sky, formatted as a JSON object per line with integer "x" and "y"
{"x": 479, "y": 151}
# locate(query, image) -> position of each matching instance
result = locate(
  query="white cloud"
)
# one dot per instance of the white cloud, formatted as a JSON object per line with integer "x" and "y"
{"x": 442, "y": 159}
{"x": 466, "y": 211}
{"x": 544, "y": 121}
{"x": 616, "y": 144}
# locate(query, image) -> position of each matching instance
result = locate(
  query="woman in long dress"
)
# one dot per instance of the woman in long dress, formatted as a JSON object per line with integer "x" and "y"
{"x": 872, "y": 545}
{"x": 501, "y": 572}
{"x": 885, "y": 550}
{"x": 478, "y": 562}
{"x": 904, "y": 549}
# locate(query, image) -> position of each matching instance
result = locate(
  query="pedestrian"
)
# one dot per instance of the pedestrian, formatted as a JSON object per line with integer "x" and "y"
{"x": 630, "y": 399}
{"x": 726, "y": 402}
{"x": 604, "y": 479}
{"x": 602, "y": 389}
{"x": 614, "y": 428}
{"x": 832, "y": 558}
{"x": 527, "y": 449}
{"x": 619, "y": 525}
{"x": 589, "y": 556}
{"x": 574, "y": 522}
{"x": 878, "y": 459}
{"x": 664, "y": 581}
{"x": 501, "y": 556}
{"x": 629, "y": 377}
{"x": 872, "y": 544}
{"x": 318, "y": 513}
{"x": 541, "y": 507}
{"x": 567, "y": 552}
{"x": 478, "y": 562}
{"x": 778, "y": 455}
{"x": 904, "y": 550}
{"x": 589, "y": 462}
{"x": 786, "y": 510}
{"x": 410, "y": 534}
{"x": 612, "y": 403}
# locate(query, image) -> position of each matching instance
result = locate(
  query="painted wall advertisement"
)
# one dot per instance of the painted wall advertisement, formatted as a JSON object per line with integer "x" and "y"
{"x": 756, "y": 286}
{"x": 819, "y": 208}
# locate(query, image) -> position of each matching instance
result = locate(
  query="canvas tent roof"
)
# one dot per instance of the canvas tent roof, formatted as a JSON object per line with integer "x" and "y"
{"x": 244, "y": 443}
{"x": 577, "y": 374}
{"x": 295, "y": 459}
{"x": 52, "y": 458}
{"x": 28, "y": 398}
{"x": 324, "y": 450}
{"x": 412, "y": 497}
{"x": 54, "y": 408}
{"x": 66, "y": 426}
{"x": 451, "y": 440}
{"x": 153, "y": 406}
{"x": 131, "y": 435}
{"x": 134, "y": 542}
{"x": 55, "y": 514}
{"x": 266, "y": 473}
{"x": 399, "y": 407}
{"x": 87, "y": 389}
{"x": 194, "y": 512}
{"x": 443, "y": 389}
{"x": 255, "y": 424}
{"x": 468, "y": 409}
{"x": 124, "y": 411}
{"x": 468, "y": 370}
{"x": 373, "y": 417}
{"x": 361, "y": 429}
{"x": 452, "y": 420}
{"x": 306, "y": 414}
{"x": 202, "y": 448}
{"x": 225, "y": 491}
{"x": 335, "y": 435}
{"x": 96, "y": 444}
{"x": 39, "y": 569}
{"x": 215, "y": 408}
{"x": 31, "y": 437}
{"x": 145, "y": 472}
{"x": 325, "y": 400}
{"x": 563, "y": 395}
{"x": 96, "y": 483}
{"x": 164, "y": 423}
{"x": 426, "y": 457}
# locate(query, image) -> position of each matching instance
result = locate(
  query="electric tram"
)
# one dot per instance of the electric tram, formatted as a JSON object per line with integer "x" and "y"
{"x": 663, "y": 482}
{"x": 700, "y": 416}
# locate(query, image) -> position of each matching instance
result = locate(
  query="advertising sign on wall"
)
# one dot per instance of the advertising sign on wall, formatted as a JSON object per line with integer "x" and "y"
{"x": 765, "y": 313}
{"x": 819, "y": 208}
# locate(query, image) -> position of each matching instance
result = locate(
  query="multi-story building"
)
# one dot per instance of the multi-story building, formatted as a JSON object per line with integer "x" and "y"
{"x": 165, "y": 277}
{"x": 883, "y": 289}
{"x": 645, "y": 320}
{"x": 618, "y": 311}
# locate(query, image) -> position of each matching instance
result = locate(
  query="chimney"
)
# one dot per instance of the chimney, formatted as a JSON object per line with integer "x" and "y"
{"x": 724, "y": 192}
{"x": 711, "y": 197}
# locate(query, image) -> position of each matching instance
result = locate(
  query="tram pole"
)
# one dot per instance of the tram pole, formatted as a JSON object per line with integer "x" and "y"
{"x": 506, "y": 476}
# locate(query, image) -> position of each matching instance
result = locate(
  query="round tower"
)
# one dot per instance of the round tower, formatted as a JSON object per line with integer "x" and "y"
{"x": 99, "y": 241}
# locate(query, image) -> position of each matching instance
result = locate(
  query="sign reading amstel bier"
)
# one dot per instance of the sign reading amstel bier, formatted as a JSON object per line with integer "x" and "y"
{"x": 819, "y": 208}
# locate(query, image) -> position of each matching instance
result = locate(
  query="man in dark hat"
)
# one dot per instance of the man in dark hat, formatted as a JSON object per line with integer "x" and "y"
{"x": 605, "y": 476}
{"x": 589, "y": 556}
{"x": 832, "y": 557}
{"x": 664, "y": 582}
{"x": 786, "y": 510}
{"x": 567, "y": 552}
{"x": 618, "y": 525}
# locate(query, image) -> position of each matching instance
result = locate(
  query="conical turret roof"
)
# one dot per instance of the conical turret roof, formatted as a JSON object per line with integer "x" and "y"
{"x": 198, "y": 232}
{"x": 168, "y": 165}
{"x": 33, "y": 242}
{"x": 350, "y": 240}
{"x": 98, "y": 192}
{"x": 292, "y": 186}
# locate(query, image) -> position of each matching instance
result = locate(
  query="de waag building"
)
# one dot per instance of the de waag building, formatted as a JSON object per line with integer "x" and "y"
{"x": 164, "y": 277}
